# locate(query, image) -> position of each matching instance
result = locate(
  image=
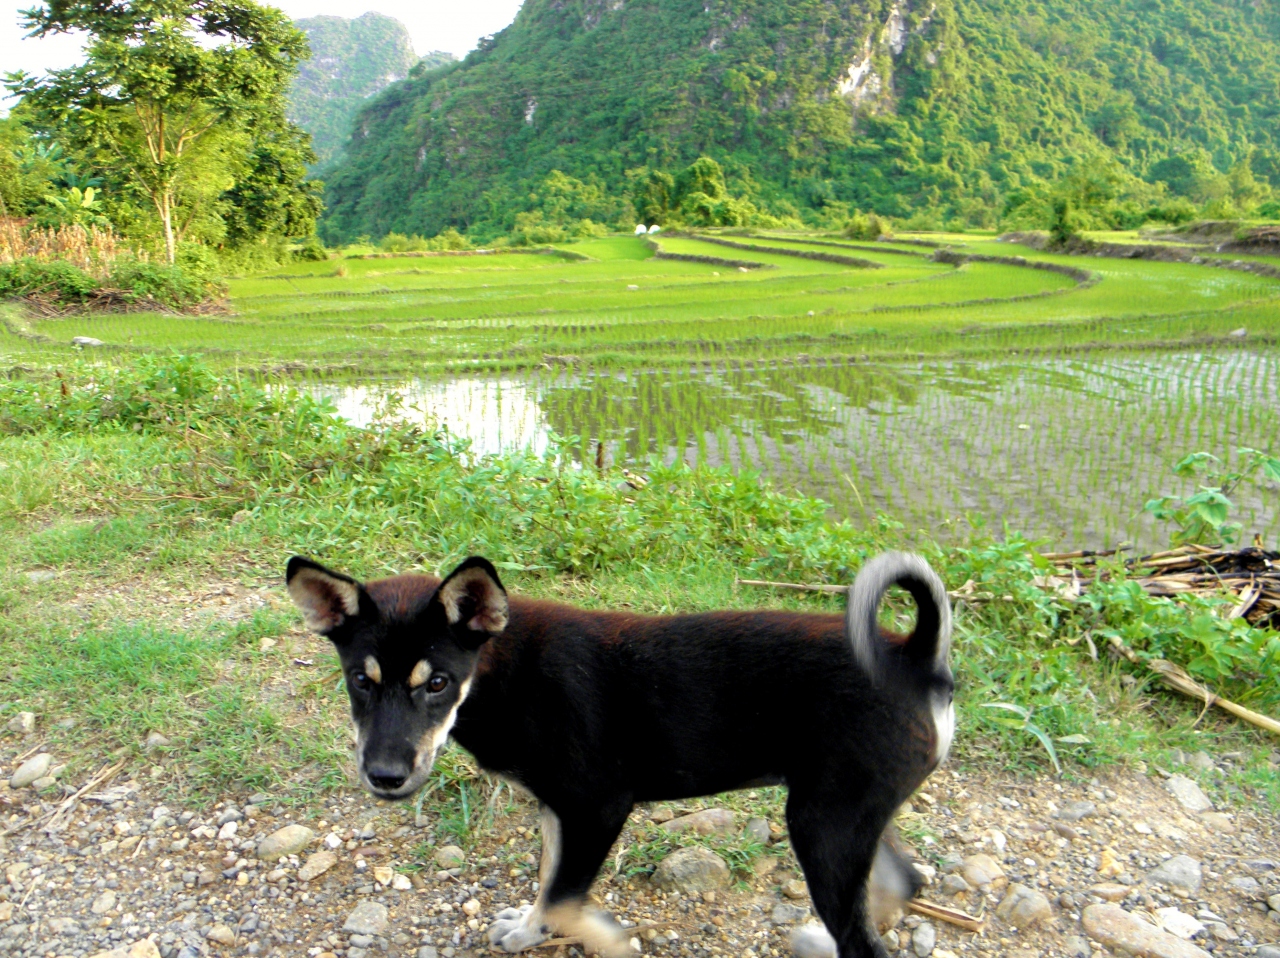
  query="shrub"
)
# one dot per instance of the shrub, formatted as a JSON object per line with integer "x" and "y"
{"x": 170, "y": 286}
{"x": 131, "y": 280}
{"x": 56, "y": 278}
{"x": 865, "y": 226}
{"x": 1270, "y": 211}
{"x": 312, "y": 251}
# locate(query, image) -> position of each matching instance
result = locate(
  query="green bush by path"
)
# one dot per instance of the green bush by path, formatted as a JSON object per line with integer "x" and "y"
{"x": 164, "y": 453}
{"x": 131, "y": 281}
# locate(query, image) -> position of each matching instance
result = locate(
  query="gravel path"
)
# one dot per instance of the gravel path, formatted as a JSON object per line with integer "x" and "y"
{"x": 1061, "y": 870}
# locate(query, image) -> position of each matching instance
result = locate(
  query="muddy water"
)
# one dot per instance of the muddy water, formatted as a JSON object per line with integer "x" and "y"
{"x": 1064, "y": 449}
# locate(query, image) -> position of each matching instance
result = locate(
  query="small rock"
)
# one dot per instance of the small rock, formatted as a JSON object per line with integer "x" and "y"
{"x": 1077, "y": 946}
{"x": 426, "y": 951}
{"x": 221, "y": 934}
{"x": 286, "y": 841}
{"x": 890, "y": 941}
{"x": 361, "y": 941}
{"x": 471, "y": 908}
{"x": 368, "y": 918}
{"x": 1273, "y": 902}
{"x": 1115, "y": 928}
{"x": 954, "y": 885}
{"x": 1267, "y": 951}
{"x": 450, "y": 856}
{"x": 662, "y": 815}
{"x": 382, "y": 874}
{"x": 43, "y": 782}
{"x": 1179, "y": 923}
{"x": 692, "y": 869}
{"x": 41, "y": 575}
{"x": 1240, "y": 333}
{"x": 24, "y": 723}
{"x": 1245, "y": 884}
{"x": 1221, "y": 931}
{"x": 33, "y": 768}
{"x": 923, "y": 939}
{"x": 1023, "y": 907}
{"x": 86, "y": 341}
{"x": 228, "y": 831}
{"x": 1218, "y": 821}
{"x": 156, "y": 740}
{"x": 1075, "y": 811}
{"x": 1202, "y": 761}
{"x": 1188, "y": 794}
{"x": 795, "y": 889}
{"x": 980, "y": 870}
{"x": 103, "y": 903}
{"x": 757, "y": 830}
{"x": 709, "y": 821}
{"x": 785, "y": 914}
{"x": 139, "y": 949}
{"x": 316, "y": 865}
{"x": 1180, "y": 871}
{"x": 1110, "y": 891}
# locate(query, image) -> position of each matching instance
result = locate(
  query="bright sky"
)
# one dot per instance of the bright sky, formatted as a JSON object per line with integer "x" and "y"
{"x": 433, "y": 24}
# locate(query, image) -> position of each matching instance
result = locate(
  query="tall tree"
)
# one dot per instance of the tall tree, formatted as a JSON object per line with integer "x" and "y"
{"x": 163, "y": 82}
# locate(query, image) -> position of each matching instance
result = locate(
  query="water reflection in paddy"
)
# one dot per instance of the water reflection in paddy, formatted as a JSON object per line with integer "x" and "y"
{"x": 1067, "y": 449}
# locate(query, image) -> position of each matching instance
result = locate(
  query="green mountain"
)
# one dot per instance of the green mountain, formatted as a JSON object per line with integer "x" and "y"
{"x": 961, "y": 111}
{"x": 350, "y": 61}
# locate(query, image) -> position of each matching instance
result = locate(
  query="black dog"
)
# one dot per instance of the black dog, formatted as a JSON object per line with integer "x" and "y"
{"x": 595, "y": 711}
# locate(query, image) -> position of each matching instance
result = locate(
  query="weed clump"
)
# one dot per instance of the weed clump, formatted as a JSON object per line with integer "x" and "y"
{"x": 56, "y": 285}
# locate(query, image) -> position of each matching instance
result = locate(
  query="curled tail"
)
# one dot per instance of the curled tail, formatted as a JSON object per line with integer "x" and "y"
{"x": 926, "y": 648}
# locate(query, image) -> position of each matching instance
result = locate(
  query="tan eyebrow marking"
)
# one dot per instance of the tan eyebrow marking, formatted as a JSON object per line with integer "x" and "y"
{"x": 421, "y": 672}
{"x": 372, "y": 668}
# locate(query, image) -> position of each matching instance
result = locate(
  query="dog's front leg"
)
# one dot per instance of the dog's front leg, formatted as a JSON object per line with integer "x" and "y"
{"x": 516, "y": 929}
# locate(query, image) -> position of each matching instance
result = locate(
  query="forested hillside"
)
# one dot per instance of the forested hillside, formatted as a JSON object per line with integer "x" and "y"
{"x": 946, "y": 111}
{"x": 350, "y": 61}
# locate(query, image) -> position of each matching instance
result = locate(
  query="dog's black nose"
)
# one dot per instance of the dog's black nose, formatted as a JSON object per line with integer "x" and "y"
{"x": 387, "y": 778}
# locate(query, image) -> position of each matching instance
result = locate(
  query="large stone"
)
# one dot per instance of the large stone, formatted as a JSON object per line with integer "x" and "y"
{"x": 285, "y": 841}
{"x": 757, "y": 830}
{"x": 784, "y": 913}
{"x": 1179, "y": 923}
{"x": 980, "y": 870}
{"x": 709, "y": 821}
{"x": 317, "y": 865}
{"x": 1112, "y": 926}
{"x": 450, "y": 856}
{"x": 368, "y": 918}
{"x": 33, "y": 768}
{"x": 86, "y": 341}
{"x": 1180, "y": 871}
{"x": 692, "y": 869}
{"x": 24, "y": 723}
{"x": 1188, "y": 794}
{"x": 1023, "y": 907}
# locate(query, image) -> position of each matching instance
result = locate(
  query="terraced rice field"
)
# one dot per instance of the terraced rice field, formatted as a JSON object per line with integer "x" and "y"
{"x": 943, "y": 393}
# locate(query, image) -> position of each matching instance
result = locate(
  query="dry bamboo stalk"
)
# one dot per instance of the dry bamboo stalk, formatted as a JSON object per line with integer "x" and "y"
{"x": 950, "y": 915}
{"x": 1246, "y": 602}
{"x": 1178, "y": 680}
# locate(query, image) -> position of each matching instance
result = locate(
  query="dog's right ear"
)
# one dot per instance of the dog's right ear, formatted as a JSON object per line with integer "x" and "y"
{"x": 327, "y": 599}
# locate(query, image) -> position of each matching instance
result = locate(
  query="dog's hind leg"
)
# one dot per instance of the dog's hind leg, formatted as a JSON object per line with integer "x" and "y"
{"x": 835, "y": 842}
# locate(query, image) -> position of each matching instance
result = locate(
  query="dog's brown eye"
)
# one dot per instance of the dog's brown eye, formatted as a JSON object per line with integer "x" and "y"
{"x": 360, "y": 680}
{"x": 437, "y": 683}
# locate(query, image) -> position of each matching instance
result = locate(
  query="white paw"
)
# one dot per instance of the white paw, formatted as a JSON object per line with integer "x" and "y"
{"x": 517, "y": 929}
{"x": 813, "y": 941}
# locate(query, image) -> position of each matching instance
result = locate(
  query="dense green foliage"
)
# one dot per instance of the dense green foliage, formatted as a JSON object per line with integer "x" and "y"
{"x": 350, "y": 61}
{"x": 177, "y": 112}
{"x": 956, "y": 111}
{"x": 128, "y": 282}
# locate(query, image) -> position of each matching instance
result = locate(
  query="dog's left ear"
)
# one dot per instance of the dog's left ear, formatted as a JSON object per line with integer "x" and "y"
{"x": 327, "y": 599}
{"x": 474, "y": 602}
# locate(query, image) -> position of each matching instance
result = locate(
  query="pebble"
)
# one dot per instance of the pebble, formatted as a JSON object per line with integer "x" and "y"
{"x": 24, "y": 723}
{"x": 1023, "y": 907}
{"x": 103, "y": 903}
{"x": 1077, "y": 946}
{"x": 1267, "y": 951}
{"x": 1075, "y": 811}
{"x": 382, "y": 874}
{"x": 221, "y": 934}
{"x": 401, "y": 882}
{"x": 368, "y": 918}
{"x": 1110, "y": 891}
{"x": 954, "y": 885}
{"x": 316, "y": 865}
{"x": 923, "y": 939}
{"x": 286, "y": 841}
{"x": 426, "y": 951}
{"x": 757, "y": 830}
{"x": 692, "y": 869}
{"x": 156, "y": 740}
{"x": 139, "y": 949}
{"x": 1115, "y": 928}
{"x": 980, "y": 870}
{"x": 1179, "y": 923}
{"x": 86, "y": 341}
{"x": 709, "y": 821}
{"x": 784, "y": 913}
{"x": 1188, "y": 794}
{"x": 33, "y": 768}
{"x": 471, "y": 908}
{"x": 795, "y": 889}
{"x": 450, "y": 856}
{"x": 1180, "y": 871}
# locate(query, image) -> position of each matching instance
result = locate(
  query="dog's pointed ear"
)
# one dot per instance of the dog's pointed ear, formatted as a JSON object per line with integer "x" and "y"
{"x": 474, "y": 602}
{"x": 327, "y": 599}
